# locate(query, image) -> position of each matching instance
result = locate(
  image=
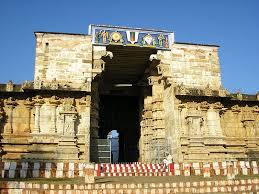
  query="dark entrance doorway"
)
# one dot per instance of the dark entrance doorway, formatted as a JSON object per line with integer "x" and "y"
{"x": 121, "y": 94}
{"x": 121, "y": 113}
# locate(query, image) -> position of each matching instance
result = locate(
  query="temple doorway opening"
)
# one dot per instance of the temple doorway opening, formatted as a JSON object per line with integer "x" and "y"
{"x": 123, "y": 86}
{"x": 121, "y": 113}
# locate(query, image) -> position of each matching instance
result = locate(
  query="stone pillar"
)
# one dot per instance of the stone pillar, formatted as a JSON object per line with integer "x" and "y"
{"x": 84, "y": 129}
{"x": 180, "y": 117}
{"x": 94, "y": 110}
{"x": 147, "y": 128}
{"x": 54, "y": 102}
{"x": 9, "y": 104}
{"x": 204, "y": 107}
{"x": 236, "y": 110}
{"x": 159, "y": 144}
{"x": 38, "y": 101}
{"x": 213, "y": 119}
{"x": 248, "y": 121}
{"x": 29, "y": 105}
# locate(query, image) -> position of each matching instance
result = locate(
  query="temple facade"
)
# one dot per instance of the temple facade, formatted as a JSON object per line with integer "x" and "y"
{"x": 162, "y": 96}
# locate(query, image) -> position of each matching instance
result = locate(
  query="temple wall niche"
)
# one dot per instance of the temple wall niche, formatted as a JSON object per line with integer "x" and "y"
{"x": 65, "y": 58}
{"x": 195, "y": 66}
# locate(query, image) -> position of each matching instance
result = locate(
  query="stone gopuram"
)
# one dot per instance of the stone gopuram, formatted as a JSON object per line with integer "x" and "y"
{"x": 163, "y": 97}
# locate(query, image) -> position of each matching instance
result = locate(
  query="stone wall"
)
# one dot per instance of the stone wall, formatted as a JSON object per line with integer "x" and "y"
{"x": 193, "y": 65}
{"x": 64, "y": 58}
{"x": 45, "y": 125}
{"x": 244, "y": 186}
{"x": 215, "y": 127}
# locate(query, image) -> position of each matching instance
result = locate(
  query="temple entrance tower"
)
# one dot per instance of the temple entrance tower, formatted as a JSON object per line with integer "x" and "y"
{"x": 163, "y": 97}
{"x": 127, "y": 90}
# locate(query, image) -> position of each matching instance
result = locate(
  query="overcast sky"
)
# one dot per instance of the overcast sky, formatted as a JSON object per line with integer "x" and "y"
{"x": 232, "y": 24}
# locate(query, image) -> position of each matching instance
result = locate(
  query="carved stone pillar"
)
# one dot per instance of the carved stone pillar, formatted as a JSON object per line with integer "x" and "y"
{"x": 159, "y": 144}
{"x": 146, "y": 128}
{"x": 248, "y": 121}
{"x": 68, "y": 117}
{"x": 213, "y": 120}
{"x": 85, "y": 103}
{"x": 181, "y": 110}
{"x": 204, "y": 107}
{"x": 95, "y": 110}
{"x": 29, "y": 105}
{"x": 236, "y": 110}
{"x": 157, "y": 107}
{"x": 9, "y": 104}
{"x": 38, "y": 101}
{"x": 54, "y": 102}
{"x": 84, "y": 129}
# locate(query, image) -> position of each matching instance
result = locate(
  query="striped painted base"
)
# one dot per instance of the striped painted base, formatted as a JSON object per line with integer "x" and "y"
{"x": 70, "y": 169}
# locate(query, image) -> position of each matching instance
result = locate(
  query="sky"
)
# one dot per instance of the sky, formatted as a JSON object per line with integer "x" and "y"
{"x": 232, "y": 24}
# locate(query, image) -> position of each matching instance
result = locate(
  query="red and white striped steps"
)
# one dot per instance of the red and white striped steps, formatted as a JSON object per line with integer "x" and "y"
{"x": 207, "y": 169}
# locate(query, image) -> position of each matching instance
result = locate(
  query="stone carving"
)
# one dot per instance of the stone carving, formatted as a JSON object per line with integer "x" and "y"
{"x": 54, "y": 84}
{"x": 98, "y": 62}
{"x": 181, "y": 90}
{"x": 195, "y": 123}
{"x": 38, "y": 101}
{"x": 68, "y": 116}
{"x": 9, "y": 86}
{"x": 217, "y": 105}
{"x": 68, "y": 105}
{"x": 109, "y": 54}
{"x": 208, "y": 91}
{"x": 28, "y": 103}
{"x": 10, "y": 105}
{"x": 194, "y": 119}
{"x": 249, "y": 126}
{"x": 236, "y": 108}
{"x": 204, "y": 105}
{"x": 27, "y": 85}
{"x": 86, "y": 86}
{"x": 154, "y": 57}
{"x": 86, "y": 100}
{"x": 247, "y": 114}
{"x": 37, "y": 83}
{"x": 152, "y": 80}
{"x": 163, "y": 69}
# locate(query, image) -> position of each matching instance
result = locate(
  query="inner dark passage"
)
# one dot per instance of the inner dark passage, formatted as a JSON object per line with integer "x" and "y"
{"x": 121, "y": 113}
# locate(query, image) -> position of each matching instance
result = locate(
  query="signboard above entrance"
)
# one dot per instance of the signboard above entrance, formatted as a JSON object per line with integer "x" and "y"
{"x": 115, "y": 35}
